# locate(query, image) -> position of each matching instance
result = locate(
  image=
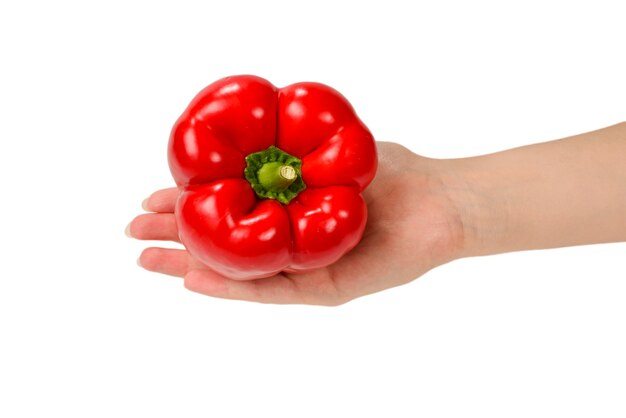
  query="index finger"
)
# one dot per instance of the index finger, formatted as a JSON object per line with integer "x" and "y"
{"x": 161, "y": 201}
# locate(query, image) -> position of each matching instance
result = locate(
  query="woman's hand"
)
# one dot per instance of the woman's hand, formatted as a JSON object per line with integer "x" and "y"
{"x": 424, "y": 212}
{"x": 413, "y": 226}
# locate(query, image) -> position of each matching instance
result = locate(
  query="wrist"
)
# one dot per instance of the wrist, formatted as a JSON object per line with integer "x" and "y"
{"x": 479, "y": 202}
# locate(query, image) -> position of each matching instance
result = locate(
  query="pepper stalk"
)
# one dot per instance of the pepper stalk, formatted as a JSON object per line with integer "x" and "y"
{"x": 274, "y": 174}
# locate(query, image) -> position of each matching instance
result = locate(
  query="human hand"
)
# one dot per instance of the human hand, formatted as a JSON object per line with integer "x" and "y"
{"x": 412, "y": 227}
{"x": 425, "y": 212}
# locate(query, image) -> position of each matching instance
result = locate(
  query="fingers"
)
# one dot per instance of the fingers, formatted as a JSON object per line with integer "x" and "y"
{"x": 154, "y": 226}
{"x": 167, "y": 261}
{"x": 161, "y": 201}
{"x": 161, "y": 225}
{"x": 277, "y": 289}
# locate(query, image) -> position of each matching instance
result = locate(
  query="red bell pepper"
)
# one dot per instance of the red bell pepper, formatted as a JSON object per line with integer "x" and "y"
{"x": 270, "y": 178}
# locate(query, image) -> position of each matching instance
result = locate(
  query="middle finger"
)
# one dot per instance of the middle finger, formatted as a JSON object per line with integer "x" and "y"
{"x": 154, "y": 226}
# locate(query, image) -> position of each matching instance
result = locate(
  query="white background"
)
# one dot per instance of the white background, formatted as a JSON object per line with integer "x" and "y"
{"x": 88, "y": 93}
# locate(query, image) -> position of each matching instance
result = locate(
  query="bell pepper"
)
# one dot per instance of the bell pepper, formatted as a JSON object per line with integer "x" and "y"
{"x": 270, "y": 179}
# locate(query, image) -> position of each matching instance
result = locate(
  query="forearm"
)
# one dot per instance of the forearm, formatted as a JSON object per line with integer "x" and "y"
{"x": 560, "y": 193}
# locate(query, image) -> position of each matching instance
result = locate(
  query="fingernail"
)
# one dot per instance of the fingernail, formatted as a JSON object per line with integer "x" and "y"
{"x": 127, "y": 231}
{"x": 139, "y": 262}
{"x": 144, "y": 204}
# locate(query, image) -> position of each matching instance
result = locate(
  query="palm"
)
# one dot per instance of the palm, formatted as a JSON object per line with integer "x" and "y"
{"x": 412, "y": 227}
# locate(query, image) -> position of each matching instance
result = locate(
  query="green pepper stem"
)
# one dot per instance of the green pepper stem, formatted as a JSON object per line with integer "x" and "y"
{"x": 276, "y": 177}
{"x": 274, "y": 174}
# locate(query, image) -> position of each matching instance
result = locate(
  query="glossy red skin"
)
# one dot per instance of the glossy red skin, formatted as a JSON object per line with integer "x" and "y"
{"x": 220, "y": 219}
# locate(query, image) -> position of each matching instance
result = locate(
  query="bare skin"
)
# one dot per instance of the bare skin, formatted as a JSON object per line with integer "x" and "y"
{"x": 425, "y": 212}
{"x": 560, "y": 193}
